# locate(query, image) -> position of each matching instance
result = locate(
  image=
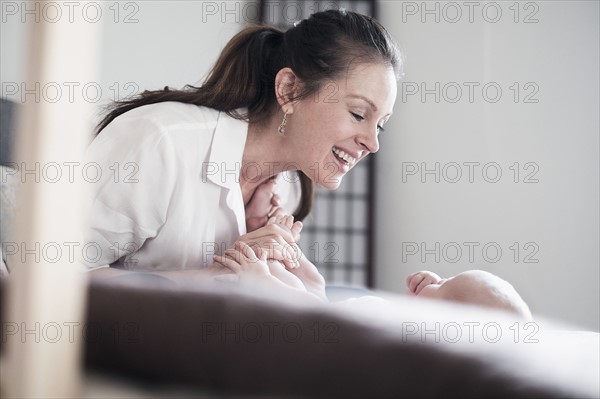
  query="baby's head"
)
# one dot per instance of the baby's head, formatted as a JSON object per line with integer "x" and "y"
{"x": 479, "y": 288}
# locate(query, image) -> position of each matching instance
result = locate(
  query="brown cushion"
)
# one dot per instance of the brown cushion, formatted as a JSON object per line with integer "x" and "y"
{"x": 231, "y": 342}
{"x": 235, "y": 343}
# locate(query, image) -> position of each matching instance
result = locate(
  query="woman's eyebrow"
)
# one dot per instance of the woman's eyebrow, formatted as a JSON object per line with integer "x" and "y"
{"x": 371, "y": 103}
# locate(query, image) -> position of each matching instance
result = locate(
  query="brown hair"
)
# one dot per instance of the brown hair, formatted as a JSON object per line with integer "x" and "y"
{"x": 318, "y": 49}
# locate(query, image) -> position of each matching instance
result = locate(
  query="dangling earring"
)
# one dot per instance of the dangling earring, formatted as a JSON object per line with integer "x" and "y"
{"x": 281, "y": 129}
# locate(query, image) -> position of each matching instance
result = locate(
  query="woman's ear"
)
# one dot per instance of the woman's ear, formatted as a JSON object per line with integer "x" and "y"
{"x": 287, "y": 88}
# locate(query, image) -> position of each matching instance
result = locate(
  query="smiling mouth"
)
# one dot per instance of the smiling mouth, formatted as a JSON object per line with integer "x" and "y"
{"x": 344, "y": 158}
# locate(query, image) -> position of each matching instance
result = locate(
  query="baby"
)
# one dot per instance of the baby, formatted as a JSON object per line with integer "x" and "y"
{"x": 475, "y": 287}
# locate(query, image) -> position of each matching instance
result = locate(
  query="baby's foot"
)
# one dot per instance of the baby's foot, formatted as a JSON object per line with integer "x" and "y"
{"x": 293, "y": 251}
{"x": 262, "y": 205}
{"x": 287, "y": 221}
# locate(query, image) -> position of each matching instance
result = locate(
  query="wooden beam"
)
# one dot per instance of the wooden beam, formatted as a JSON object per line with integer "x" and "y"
{"x": 44, "y": 306}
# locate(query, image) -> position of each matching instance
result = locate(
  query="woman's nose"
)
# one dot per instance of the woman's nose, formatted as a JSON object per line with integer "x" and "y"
{"x": 369, "y": 141}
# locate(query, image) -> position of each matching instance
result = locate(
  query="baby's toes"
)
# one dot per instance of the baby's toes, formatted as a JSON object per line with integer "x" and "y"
{"x": 296, "y": 229}
{"x": 289, "y": 221}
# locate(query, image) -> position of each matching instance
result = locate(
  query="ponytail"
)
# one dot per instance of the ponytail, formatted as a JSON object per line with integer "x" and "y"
{"x": 242, "y": 78}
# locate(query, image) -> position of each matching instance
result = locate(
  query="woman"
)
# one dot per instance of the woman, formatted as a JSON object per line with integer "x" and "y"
{"x": 187, "y": 173}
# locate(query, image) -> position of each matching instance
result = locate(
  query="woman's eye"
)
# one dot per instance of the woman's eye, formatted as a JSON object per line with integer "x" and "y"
{"x": 357, "y": 116}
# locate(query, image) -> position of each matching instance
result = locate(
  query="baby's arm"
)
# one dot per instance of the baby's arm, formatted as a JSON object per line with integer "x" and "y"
{"x": 282, "y": 274}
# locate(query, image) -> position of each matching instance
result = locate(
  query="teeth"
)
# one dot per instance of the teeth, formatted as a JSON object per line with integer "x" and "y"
{"x": 344, "y": 156}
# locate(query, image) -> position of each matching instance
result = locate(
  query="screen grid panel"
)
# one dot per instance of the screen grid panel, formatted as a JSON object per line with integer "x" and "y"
{"x": 336, "y": 234}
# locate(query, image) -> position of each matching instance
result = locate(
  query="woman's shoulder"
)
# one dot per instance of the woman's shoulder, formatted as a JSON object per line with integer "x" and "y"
{"x": 169, "y": 126}
{"x": 172, "y": 114}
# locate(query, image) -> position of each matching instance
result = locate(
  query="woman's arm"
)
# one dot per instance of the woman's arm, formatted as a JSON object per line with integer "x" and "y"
{"x": 272, "y": 239}
{"x": 181, "y": 277}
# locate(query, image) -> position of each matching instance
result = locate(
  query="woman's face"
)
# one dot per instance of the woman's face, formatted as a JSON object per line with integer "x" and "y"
{"x": 338, "y": 126}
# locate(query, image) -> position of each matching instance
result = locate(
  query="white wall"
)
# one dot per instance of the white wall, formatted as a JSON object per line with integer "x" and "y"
{"x": 174, "y": 43}
{"x": 558, "y": 136}
{"x": 146, "y": 44}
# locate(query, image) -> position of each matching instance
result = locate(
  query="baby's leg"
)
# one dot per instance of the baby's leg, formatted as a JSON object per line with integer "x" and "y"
{"x": 285, "y": 276}
{"x": 298, "y": 264}
{"x": 277, "y": 269}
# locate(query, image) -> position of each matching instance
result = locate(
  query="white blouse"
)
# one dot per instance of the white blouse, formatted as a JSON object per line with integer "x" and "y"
{"x": 168, "y": 196}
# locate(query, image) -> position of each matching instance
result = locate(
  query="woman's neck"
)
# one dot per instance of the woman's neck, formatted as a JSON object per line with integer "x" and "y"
{"x": 265, "y": 155}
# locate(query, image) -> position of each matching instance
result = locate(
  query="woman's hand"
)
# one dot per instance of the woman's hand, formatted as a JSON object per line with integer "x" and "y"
{"x": 244, "y": 263}
{"x": 419, "y": 280}
{"x": 292, "y": 252}
{"x": 262, "y": 205}
{"x": 287, "y": 221}
{"x": 276, "y": 241}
